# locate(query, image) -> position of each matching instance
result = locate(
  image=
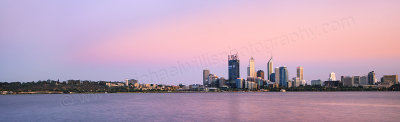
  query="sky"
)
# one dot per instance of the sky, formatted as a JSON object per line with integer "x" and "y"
{"x": 172, "y": 41}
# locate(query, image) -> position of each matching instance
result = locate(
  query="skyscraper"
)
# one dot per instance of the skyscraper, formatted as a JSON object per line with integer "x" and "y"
{"x": 283, "y": 76}
{"x": 206, "y": 73}
{"x": 269, "y": 68}
{"x": 233, "y": 69}
{"x": 260, "y": 74}
{"x": 277, "y": 75}
{"x": 371, "y": 77}
{"x": 251, "y": 68}
{"x": 300, "y": 73}
{"x": 332, "y": 76}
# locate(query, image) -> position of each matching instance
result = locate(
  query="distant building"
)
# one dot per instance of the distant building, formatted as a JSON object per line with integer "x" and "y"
{"x": 331, "y": 84}
{"x": 259, "y": 82}
{"x": 363, "y": 80}
{"x": 213, "y": 80}
{"x": 332, "y": 76}
{"x": 130, "y": 81}
{"x": 296, "y": 82}
{"x": 245, "y": 84}
{"x": 356, "y": 81}
{"x": 388, "y": 81}
{"x": 251, "y": 69}
{"x": 283, "y": 76}
{"x": 300, "y": 73}
{"x": 303, "y": 83}
{"x": 277, "y": 75}
{"x": 260, "y": 74}
{"x": 391, "y": 78}
{"x": 270, "y": 69}
{"x": 222, "y": 82}
{"x": 233, "y": 69}
{"x": 272, "y": 77}
{"x": 206, "y": 73}
{"x": 348, "y": 81}
{"x": 316, "y": 83}
{"x": 289, "y": 83}
{"x": 239, "y": 83}
{"x": 371, "y": 78}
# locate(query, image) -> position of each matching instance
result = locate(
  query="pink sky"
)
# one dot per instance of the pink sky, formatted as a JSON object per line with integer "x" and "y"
{"x": 131, "y": 47}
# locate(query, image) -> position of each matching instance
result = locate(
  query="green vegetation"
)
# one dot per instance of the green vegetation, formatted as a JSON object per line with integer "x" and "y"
{"x": 77, "y": 86}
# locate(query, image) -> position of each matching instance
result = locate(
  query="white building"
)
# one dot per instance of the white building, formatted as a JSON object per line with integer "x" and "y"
{"x": 332, "y": 76}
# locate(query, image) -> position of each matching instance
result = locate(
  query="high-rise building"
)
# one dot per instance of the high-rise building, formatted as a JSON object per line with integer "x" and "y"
{"x": 300, "y": 73}
{"x": 277, "y": 75}
{"x": 332, "y": 76}
{"x": 371, "y": 78}
{"x": 283, "y": 76}
{"x": 233, "y": 69}
{"x": 260, "y": 74}
{"x": 206, "y": 73}
{"x": 251, "y": 69}
{"x": 270, "y": 69}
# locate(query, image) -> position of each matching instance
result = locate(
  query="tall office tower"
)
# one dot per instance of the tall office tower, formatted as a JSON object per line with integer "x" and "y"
{"x": 371, "y": 78}
{"x": 260, "y": 74}
{"x": 252, "y": 70}
{"x": 206, "y": 73}
{"x": 300, "y": 73}
{"x": 269, "y": 68}
{"x": 277, "y": 75}
{"x": 233, "y": 69}
{"x": 332, "y": 76}
{"x": 283, "y": 76}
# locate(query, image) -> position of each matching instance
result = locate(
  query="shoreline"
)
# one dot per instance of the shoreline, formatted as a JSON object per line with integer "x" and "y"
{"x": 43, "y": 92}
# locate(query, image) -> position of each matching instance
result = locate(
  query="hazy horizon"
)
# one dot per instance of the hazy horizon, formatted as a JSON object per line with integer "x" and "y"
{"x": 171, "y": 42}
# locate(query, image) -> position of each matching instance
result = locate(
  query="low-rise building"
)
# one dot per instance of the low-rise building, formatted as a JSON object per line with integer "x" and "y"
{"x": 316, "y": 83}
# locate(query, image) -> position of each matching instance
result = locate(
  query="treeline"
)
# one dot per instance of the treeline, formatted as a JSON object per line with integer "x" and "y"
{"x": 54, "y": 86}
{"x": 70, "y": 86}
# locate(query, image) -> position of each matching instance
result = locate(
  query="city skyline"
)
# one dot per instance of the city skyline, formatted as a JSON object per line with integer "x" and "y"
{"x": 112, "y": 41}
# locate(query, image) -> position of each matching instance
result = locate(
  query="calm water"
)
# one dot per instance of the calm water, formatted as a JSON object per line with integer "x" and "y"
{"x": 289, "y": 106}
